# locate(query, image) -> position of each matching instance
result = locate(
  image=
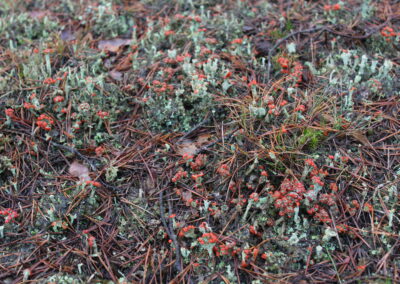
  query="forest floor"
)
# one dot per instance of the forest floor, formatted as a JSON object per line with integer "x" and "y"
{"x": 199, "y": 141}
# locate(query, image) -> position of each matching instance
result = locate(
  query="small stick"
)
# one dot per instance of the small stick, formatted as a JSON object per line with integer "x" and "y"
{"x": 170, "y": 232}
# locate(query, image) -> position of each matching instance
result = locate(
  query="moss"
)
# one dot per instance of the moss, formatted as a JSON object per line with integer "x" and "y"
{"x": 310, "y": 138}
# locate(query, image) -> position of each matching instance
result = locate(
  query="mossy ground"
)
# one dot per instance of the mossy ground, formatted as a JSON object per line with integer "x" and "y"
{"x": 225, "y": 141}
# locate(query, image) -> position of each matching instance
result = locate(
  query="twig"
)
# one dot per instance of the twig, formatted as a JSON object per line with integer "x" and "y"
{"x": 170, "y": 232}
{"x": 226, "y": 137}
{"x": 197, "y": 126}
{"x": 72, "y": 150}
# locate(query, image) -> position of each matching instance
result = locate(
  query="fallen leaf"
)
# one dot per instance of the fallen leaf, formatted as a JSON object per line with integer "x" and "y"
{"x": 38, "y": 14}
{"x": 203, "y": 139}
{"x": 226, "y": 280}
{"x": 78, "y": 170}
{"x": 359, "y": 136}
{"x": 125, "y": 63}
{"x": 109, "y": 63}
{"x": 117, "y": 76}
{"x": 263, "y": 47}
{"x": 135, "y": 8}
{"x": 307, "y": 76}
{"x": 249, "y": 29}
{"x": 113, "y": 45}
{"x": 67, "y": 35}
{"x": 187, "y": 147}
{"x": 328, "y": 118}
{"x": 149, "y": 182}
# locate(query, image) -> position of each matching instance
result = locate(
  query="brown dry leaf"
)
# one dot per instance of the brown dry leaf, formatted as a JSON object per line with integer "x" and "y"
{"x": 203, "y": 139}
{"x": 124, "y": 64}
{"x": 78, "y": 170}
{"x": 149, "y": 183}
{"x": 113, "y": 45}
{"x": 135, "y": 8}
{"x": 359, "y": 136}
{"x": 263, "y": 47}
{"x": 328, "y": 118}
{"x": 116, "y": 75}
{"x": 187, "y": 147}
{"x": 236, "y": 60}
{"x": 109, "y": 63}
{"x": 226, "y": 280}
{"x": 67, "y": 35}
{"x": 38, "y": 14}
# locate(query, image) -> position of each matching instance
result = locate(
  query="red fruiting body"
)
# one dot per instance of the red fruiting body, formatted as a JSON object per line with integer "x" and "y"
{"x": 10, "y": 112}
{"x": 284, "y": 62}
{"x": 179, "y": 175}
{"x": 102, "y": 114}
{"x": 91, "y": 241}
{"x": 288, "y": 197}
{"x": 10, "y": 214}
{"x": 99, "y": 150}
{"x": 49, "y": 81}
{"x": 186, "y": 229}
{"x": 29, "y": 105}
{"x": 169, "y": 32}
{"x": 200, "y": 161}
{"x": 195, "y": 177}
{"x": 237, "y": 41}
{"x": 44, "y": 121}
{"x": 300, "y": 108}
{"x": 223, "y": 170}
{"x": 58, "y": 99}
{"x": 252, "y": 83}
{"x": 388, "y": 32}
{"x": 254, "y": 196}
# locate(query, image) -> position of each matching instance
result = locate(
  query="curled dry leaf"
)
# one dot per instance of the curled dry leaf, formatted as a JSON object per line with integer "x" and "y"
{"x": 38, "y": 14}
{"x": 187, "y": 147}
{"x": 113, "y": 45}
{"x": 124, "y": 63}
{"x": 263, "y": 47}
{"x": 135, "y": 7}
{"x": 203, "y": 139}
{"x": 67, "y": 35}
{"x": 116, "y": 75}
{"x": 359, "y": 136}
{"x": 78, "y": 170}
{"x": 191, "y": 147}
